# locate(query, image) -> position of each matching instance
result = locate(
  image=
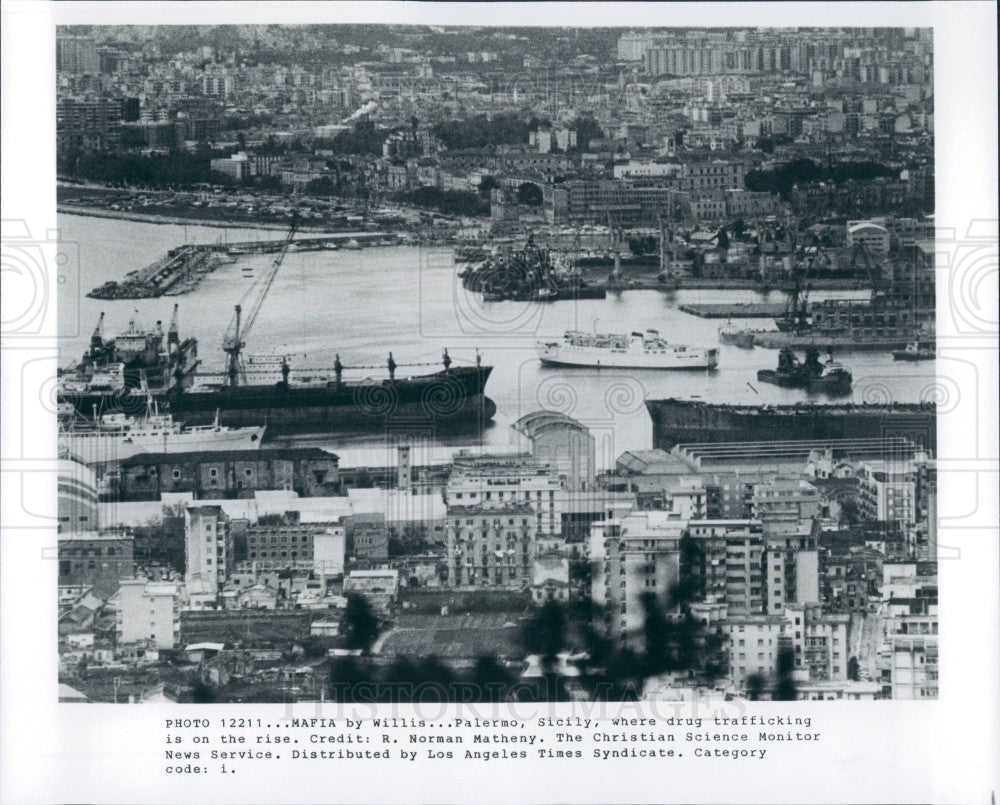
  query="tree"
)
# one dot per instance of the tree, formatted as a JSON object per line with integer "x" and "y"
{"x": 348, "y": 678}
{"x": 203, "y": 694}
{"x": 487, "y": 184}
{"x": 545, "y": 633}
{"x": 587, "y": 130}
{"x": 756, "y": 684}
{"x": 360, "y": 624}
{"x": 323, "y": 186}
{"x": 493, "y": 682}
{"x": 314, "y": 647}
{"x": 849, "y": 512}
{"x": 723, "y": 238}
{"x": 784, "y": 689}
{"x": 529, "y": 194}
{"x": 853, "y": 669}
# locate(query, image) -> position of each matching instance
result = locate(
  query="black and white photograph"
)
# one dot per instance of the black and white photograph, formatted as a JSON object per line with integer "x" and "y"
{"x": 505, "y": 393}
{"x": 557, "y": 362}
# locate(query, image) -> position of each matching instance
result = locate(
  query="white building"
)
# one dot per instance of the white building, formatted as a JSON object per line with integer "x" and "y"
{"x": 630, "y": 557}
{"x": 887, "y": 491}
{"x": 500, "y": 479}
{"x": 77, "y": 505}
{"x": 208, "y": 549}
{"x": 874, "y": 237}
{"x": 148, "y": 611}
{"x": 329, "y": 549}
{"x": 914, "y": 650}
{"x": 563, "y": 443}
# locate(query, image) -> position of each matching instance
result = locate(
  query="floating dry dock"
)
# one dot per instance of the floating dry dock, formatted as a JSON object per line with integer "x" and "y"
{"x": 735, "y": 310}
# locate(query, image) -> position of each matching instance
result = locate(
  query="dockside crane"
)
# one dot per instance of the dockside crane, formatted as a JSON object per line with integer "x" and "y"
{"x": 240, "y": 326}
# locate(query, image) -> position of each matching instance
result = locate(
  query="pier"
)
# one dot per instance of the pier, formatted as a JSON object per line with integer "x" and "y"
{"x": 183, "y": 268}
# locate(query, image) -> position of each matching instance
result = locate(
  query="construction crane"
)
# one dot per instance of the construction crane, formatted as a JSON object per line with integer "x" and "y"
{"x": 240, "y": 326}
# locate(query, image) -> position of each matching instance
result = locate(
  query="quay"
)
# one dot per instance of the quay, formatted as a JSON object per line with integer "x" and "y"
{"x": 183, "y": 268}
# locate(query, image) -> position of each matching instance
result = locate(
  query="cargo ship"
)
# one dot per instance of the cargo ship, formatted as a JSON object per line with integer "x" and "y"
{"x": 680, "y": 421}
{"x": 452, "y": 396}
{"x": 635, "y": 351}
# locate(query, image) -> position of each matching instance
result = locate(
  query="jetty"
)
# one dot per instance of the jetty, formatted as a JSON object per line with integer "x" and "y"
{"x": 183, "y": 268}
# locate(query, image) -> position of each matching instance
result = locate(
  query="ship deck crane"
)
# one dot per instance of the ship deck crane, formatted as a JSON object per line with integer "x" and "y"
{"x": 240, "y": 326}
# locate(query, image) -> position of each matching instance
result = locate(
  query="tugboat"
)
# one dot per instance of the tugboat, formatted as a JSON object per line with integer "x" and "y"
{"x": 830, "y": 377}
{"x": 915, "y": 351}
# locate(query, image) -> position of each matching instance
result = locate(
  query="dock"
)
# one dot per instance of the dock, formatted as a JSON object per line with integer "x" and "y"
{"x": 183, "y": 268}
{"x": 736, "y": 310}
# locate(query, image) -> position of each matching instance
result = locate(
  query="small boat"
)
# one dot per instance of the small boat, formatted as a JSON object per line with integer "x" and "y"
{"x": 728, "y": 333}
{"x": 915, "y": 351}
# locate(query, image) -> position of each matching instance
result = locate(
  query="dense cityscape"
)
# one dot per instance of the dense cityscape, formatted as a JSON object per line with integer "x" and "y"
{"x": 216, "y": 546}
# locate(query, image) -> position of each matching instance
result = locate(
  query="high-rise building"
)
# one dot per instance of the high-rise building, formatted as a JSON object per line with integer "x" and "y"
{"x": 208, "y": 549}
{"x": 631, "y": 557}
{"x": 78, "y": 55}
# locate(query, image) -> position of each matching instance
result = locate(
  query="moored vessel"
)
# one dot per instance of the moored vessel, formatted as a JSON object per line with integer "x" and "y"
{"x": 915, "y": 351}
{"x": 830, "y": 377}
{"x": 624, "y": 351}
{"x": 117, "y": 436}
{"x": 678, "y": 421}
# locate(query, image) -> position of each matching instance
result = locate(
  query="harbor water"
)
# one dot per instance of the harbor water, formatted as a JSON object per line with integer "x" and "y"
{"x": 363, "y": 304}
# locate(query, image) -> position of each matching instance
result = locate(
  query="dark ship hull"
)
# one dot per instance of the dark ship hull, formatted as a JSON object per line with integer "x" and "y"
{"x": 453, "y": 397}
{"x": 683, "y": 421}
{"x": 837, "y": 384}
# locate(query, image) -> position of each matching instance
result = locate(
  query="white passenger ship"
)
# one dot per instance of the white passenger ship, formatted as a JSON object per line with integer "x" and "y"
{"x": 115, "y": 437}
{"x": 636, "y": 351}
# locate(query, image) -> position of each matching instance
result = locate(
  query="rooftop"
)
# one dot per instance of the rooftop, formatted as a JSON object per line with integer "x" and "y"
{"x": 220, "y": 456}
{"x": 93, "y": 536}
{"x": 532, "y": 423}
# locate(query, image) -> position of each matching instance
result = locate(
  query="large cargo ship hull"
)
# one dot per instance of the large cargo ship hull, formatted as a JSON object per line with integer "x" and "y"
{"x": 684, "y": 421}
{"x": 450, "y": 397}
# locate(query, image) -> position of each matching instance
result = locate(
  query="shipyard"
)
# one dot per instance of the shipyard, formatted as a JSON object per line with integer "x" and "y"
{"x": 466, "y": 389}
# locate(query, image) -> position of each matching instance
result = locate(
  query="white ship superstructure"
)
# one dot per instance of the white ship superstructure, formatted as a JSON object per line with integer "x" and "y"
{"x": 633, "y": 351}
{"x": 115, "y": 437}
